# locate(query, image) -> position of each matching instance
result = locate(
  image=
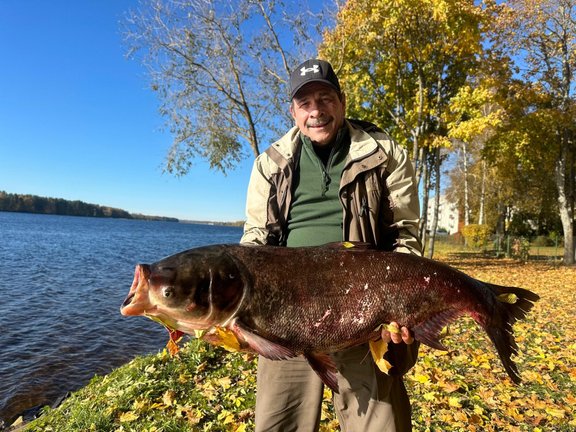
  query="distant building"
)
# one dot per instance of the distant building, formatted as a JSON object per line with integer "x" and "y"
{"x": 447, "y": 216}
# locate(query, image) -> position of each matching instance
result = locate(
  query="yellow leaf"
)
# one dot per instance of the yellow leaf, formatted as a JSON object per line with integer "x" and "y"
{"x": 225, "y": 382}
{"x": 508, "y": 298}
{"x": 393, "y": 329}
{"x": 454, "y": 402}
{"x": 172, "y": 347}
{"x": 226, "y": 417}
{"x": 422, "y": 379}
{"x": 555, "y": 412}
{"x": 168, "y": 397}
{"x": 139, "y": 404}
{"x": 128, "y": 417}
{"x": 378, "y": 348}
{"x": 226, "y": 339}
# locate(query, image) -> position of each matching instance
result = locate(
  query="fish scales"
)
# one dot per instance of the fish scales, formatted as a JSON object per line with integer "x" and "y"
{"x": 281, "y": 302}
{"x": 373, "y": 297}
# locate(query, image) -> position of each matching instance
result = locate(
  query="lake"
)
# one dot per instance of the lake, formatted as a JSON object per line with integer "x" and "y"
{"x": 62, "y": 281}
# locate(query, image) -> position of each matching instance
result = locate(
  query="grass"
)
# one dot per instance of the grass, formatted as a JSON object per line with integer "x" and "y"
{"x": 465, "y": 389}
{"x": 203, "y": 388}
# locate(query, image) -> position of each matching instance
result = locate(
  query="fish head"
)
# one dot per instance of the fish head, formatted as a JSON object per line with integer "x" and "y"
{"x": 192, "y": 290}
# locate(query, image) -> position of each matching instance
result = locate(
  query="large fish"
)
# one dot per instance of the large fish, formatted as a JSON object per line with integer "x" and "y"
{"x": 282, "y": 302}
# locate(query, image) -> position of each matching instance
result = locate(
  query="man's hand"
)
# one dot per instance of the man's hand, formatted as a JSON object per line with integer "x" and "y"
{"x": 393, "y": 332}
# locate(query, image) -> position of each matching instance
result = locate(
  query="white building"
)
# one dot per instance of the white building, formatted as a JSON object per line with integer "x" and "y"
{"x": 447, "y": 215}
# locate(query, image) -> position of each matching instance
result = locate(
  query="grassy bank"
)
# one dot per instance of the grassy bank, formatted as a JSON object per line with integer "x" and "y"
{"x": 464, "y": 389}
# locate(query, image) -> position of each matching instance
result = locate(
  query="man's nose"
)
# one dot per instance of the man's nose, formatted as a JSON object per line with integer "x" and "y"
{"x": 315, "y": 109}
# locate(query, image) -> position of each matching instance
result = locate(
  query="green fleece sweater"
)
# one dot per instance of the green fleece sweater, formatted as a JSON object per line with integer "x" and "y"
{"x": 315, "y": 216}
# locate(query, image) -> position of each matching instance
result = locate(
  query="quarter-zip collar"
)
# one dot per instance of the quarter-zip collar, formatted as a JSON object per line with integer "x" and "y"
{"x": 338, "y": 152}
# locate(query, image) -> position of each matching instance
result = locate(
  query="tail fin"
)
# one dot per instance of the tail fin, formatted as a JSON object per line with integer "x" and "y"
{"x": 513, "y": 304}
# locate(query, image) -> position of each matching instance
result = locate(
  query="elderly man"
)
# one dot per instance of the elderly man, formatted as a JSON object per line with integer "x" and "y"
{"x": 333, "y": 179}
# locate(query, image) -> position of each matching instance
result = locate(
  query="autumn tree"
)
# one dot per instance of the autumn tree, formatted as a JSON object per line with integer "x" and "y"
{"x": 220, "y": 69}
{"x": 472, "y": 118}
{"x": 541, "y": 35}
{"x": 521, "y": 152}
{"x": 401, "y": 62}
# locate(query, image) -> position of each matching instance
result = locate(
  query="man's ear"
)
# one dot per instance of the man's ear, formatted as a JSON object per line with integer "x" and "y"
{"x": 292, "y": 109}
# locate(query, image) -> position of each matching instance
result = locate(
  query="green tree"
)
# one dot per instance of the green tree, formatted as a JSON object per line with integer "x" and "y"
{"x": 220, "y": 69}
{"x": 541, "y": 35}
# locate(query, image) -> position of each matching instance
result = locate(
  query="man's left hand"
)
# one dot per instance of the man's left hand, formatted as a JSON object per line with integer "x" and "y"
{"x": 393, "y": 333}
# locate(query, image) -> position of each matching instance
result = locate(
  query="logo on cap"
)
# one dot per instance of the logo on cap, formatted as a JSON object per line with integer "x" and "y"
{"x": 313, "y": 69}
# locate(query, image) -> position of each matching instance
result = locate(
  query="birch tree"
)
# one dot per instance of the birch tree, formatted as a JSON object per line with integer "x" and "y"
{"x": 473, "y": 117}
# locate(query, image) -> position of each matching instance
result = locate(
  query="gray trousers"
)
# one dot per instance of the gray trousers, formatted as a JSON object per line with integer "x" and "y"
{"x": 289, "y": 396}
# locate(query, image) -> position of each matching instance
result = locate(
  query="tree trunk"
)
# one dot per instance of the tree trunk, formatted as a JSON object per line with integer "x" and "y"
{"x": 436, "y": 208}
{"x": 482, "y": 195}
{"x": 466, "y": 185}
{"x": 565, "y": 205}
{"x": 425, "y": 199}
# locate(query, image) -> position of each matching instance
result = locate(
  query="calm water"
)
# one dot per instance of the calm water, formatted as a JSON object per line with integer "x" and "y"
{"x": 62, "y": 281}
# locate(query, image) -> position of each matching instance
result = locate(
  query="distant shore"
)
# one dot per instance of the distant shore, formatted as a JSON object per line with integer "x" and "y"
{"x": 18, "y": 203}
{"x": 57, "y": 206}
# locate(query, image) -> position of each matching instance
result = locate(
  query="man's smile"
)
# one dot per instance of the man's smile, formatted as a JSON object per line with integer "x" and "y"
{"x": 320, "y": 123}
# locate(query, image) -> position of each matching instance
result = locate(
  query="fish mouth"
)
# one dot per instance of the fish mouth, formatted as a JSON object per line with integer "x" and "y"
{"x": 137, "y": 302}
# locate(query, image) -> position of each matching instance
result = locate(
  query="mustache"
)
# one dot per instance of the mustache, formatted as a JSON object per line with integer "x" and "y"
{"x": 319, "y": 121}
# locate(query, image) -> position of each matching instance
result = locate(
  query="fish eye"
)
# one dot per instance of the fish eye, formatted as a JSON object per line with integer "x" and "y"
{"x": 168, "y": 292}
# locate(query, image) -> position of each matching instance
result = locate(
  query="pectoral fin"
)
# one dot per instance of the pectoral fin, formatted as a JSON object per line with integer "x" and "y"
{"x": 325, "y": 368}
{"x": 262, "y": 346}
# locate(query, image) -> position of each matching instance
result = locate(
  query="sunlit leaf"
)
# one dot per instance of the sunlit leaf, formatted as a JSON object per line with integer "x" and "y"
{"x": 378, "y": 348}
{"x": 128, "y": 417}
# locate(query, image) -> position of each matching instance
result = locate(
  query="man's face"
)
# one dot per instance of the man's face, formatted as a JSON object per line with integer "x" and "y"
{"x": 318, "y": 112}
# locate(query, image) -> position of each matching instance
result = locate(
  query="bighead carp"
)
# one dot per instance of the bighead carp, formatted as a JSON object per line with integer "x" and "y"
{"x": 282, "y": 302}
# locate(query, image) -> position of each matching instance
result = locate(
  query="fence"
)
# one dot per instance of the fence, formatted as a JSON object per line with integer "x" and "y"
{"x": 505, "y": 246}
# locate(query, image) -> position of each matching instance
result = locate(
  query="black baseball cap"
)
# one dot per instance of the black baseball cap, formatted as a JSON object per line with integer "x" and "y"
{"x": 313, "y": 70}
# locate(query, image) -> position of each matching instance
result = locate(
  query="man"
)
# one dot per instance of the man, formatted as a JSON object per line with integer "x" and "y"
{"x": 332, "y": 179}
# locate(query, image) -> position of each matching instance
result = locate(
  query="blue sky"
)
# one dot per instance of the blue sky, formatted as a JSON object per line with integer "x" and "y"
{"x": 78, "y": 120}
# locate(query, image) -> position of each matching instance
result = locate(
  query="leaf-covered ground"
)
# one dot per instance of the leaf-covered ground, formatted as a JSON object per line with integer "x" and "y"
{"x": 467, "y": 389}
{"x": 464, "y": 389}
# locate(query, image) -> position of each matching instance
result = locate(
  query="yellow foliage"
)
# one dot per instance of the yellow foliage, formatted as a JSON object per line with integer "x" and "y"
{"x": 476, "y": 235}
{"x": 227, "y": 339}
{"x": 128, "y": 417}
{"x": 391, "y": 55}
{"x": 378, "y": 348}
